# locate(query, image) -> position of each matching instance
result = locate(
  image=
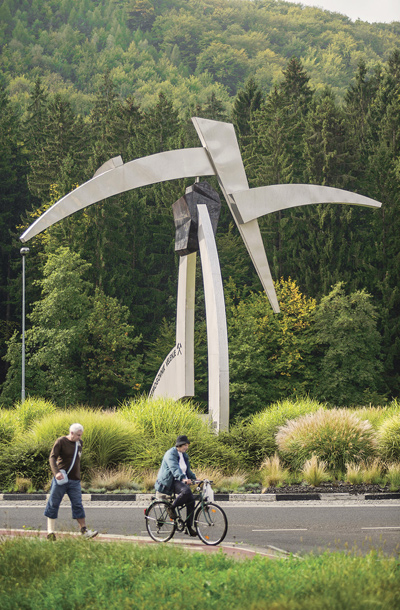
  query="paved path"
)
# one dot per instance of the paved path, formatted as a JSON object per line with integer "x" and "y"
{"x": 262, "y": 527}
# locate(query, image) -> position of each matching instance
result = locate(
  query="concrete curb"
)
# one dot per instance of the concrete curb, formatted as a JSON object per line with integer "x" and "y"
{"x": 234, "y": 497}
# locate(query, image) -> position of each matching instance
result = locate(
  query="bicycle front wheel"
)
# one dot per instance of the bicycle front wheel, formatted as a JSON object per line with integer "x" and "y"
{"x": 159, "y": 524}
{"x": 211, "y": 523}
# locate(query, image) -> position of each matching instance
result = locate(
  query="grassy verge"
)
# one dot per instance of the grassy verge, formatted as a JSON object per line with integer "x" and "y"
{"x": 122, "y": 576}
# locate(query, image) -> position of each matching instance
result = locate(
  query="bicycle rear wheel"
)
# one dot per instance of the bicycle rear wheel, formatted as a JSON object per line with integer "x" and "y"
{"x": 159, "y": 524}
{"x": 211, "y": 523}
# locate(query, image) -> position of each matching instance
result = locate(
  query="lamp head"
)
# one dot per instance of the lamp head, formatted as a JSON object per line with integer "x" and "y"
{"x": 24, "y": 251}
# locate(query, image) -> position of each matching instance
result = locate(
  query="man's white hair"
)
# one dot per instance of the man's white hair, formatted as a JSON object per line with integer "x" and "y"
{"x": 76, "y": 428}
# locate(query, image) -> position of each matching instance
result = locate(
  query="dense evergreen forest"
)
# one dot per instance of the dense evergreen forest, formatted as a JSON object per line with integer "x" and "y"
{"x": 314, "y": 98}
{"x": 187, "y": 49}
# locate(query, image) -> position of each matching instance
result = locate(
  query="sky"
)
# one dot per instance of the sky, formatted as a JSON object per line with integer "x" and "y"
{"x": 366, "y": 10}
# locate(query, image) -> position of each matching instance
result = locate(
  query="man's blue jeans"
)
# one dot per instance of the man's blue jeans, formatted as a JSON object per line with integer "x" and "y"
{"x": 57, "y": 492}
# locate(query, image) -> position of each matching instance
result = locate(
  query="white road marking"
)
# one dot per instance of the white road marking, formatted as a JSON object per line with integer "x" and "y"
{"x": 296, "y": 529}
{"x": 381, "y": 527}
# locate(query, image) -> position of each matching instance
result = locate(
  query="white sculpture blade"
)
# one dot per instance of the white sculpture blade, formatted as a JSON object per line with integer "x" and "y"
{"x": 251, "y": 204}
{"x": 169, "y": 165}
{"x": 220, "y": 141}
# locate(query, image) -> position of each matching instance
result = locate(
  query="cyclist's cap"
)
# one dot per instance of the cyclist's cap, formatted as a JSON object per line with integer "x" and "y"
{"x": 182, "y": 440}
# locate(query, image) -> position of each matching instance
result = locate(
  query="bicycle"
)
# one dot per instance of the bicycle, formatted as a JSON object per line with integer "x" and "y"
{"x": 210, "y": 520}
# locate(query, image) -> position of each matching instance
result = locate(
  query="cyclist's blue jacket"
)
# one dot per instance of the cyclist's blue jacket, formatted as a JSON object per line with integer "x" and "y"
{"x": 170, "y": 471}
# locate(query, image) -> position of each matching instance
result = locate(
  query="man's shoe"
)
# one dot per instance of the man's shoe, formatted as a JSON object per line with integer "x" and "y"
{"x": 171, "y": 512}
{"x": 51, "y": 536}
{"x": 88, "y": 533}
{"x": 191, "y": 531}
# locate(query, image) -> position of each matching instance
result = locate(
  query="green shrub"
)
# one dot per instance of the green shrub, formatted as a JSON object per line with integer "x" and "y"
{"x": 254, "y": 438}
{"x": 389, "y": 438}
{"x": 337, "y": 437}
{"x": 31, "y": 410}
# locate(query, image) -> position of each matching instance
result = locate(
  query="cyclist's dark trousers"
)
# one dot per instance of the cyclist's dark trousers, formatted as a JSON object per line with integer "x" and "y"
{"x": 184, "y": 496}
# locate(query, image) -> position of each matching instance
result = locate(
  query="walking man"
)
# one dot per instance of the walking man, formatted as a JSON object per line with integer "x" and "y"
{"x": 65, "y": 461}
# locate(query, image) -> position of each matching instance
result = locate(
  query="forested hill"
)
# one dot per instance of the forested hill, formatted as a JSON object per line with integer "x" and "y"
{"x": 186, "y": 48}
{"x": 314, "y": 98}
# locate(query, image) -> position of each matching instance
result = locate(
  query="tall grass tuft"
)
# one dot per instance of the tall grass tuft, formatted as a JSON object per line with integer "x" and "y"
{"x": 23, "y": 485}
{"x": 272, "y": 472}
{"x": 393, "y": 476}
{"x": 121, "y": 477}
{"x": 314, "y": 471}
{"x": 107, "y": 438}
{"x": 337, "y": 437}
{"x": 31, "y": 410}
{"x": 232, "y": 483}
{"x": 372, "y": 472}
{"x": 255, "y": 438}
{"x": 160, "y": 421}
{"x": 155, "y": 417}
{"x": 7, "y": 426}
{"x": 389, "y": 438}
{"x": 353, "y": 473}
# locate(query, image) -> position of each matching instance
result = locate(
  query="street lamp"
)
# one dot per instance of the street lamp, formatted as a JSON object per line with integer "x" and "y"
{"x": 23, "y": 252}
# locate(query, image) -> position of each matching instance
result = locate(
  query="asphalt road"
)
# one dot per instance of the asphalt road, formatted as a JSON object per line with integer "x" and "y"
{"x": 296, "y": 527}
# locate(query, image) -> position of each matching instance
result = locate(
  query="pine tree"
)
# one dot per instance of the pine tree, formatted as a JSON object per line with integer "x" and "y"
{"x": 59, "y": 158}
{"x": 248, "y": 100}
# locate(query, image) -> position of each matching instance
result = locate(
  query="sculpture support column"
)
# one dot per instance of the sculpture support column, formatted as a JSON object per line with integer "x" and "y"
{"x": 217, "y": 334}
{"x": 175, "y": 377}
{"x": 185, "y": 322}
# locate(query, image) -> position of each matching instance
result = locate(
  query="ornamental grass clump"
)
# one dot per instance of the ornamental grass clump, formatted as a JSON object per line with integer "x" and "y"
{"x": 372, "y": 472}
{"x": 7, "y": 426}
{"x": 389, "y": 438}
{"x": 314, "y": 471}
{"x": 337, "y": 437}
{"x": 31, "y": 410}
{"x": 353, "y": 474}
{"x": 107, "y": 440}
{"x": 255, "y": 438}
{"x": 272, "y": 473}
{"x": 159, "y": 422}
{"x": 121, "y": 477}
{"x": 393, "y": 476}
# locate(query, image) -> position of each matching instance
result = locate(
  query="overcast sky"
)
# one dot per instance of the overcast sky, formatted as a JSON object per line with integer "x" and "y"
{"x": 366, "y": 10}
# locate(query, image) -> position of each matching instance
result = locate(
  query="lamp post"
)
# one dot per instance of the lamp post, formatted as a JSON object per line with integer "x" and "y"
{"x": 23, "y": 252}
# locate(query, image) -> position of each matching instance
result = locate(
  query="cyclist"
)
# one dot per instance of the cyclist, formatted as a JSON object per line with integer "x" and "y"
{"x": 175, "y": 476}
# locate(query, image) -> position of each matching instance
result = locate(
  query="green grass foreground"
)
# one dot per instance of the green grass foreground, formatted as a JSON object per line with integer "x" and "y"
{"x": 38, "y": 575}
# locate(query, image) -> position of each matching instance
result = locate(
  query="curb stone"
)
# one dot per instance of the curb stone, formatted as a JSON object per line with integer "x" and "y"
{"x": 234, "y": 497}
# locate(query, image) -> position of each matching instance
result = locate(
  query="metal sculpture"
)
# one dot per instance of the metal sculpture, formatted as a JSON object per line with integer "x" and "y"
{"x": 219, "y": 156}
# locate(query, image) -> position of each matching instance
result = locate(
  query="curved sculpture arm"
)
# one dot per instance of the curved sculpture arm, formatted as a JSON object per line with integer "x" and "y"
{"x": 219, "y": 139}
{"x": 169, "y": 165}
{"x": 253, "y": 203}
